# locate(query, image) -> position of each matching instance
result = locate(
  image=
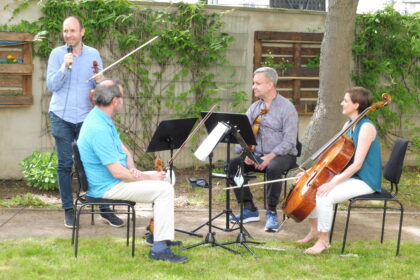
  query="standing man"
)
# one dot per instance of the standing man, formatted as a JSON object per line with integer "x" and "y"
{"x": 276, "y": 144}
{"x": 69, "y": 68}
{"x": 112, "y": 174}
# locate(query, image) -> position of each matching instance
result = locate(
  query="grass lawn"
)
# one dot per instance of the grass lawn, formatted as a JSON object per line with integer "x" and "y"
{"x": 108, "y": 258}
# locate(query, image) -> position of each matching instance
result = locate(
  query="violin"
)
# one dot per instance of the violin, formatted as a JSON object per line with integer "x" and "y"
{"x": 95, "y": 67}
{"x": 330, "y": 160}
{"x": 158, "y": 167}
{"x": 256, "y": 125}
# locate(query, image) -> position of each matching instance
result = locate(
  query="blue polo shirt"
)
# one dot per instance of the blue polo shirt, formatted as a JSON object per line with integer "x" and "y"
{"x": 99, "y": 145}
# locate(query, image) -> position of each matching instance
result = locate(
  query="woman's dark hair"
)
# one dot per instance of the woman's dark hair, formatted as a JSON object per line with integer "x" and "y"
{"x": 361, "y": 96}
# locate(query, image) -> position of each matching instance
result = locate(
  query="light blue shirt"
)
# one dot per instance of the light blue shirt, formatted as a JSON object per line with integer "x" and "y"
{"x": 70, "y": 87}
{"x": 99, "y": 145}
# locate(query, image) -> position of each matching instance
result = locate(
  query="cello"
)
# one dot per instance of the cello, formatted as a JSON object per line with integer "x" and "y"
{"x": 330, "y": 160}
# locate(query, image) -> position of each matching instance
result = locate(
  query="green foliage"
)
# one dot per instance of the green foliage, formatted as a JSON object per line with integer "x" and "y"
{"x": 386, "y": 51}
{"x": 314, "y": 62}
{"x": 27, "y": 200}
{"x": 40, "y": 170}
{"x": 176, "y": 74}
{"x": 282, "y": 64}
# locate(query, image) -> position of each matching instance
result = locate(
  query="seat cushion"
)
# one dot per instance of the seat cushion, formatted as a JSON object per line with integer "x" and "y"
{"x": 90, "y": 199}
{"x": 383, "y": 195}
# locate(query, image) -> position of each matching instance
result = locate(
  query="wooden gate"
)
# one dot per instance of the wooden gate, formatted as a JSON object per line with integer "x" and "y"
{"x": 295, "y": 56}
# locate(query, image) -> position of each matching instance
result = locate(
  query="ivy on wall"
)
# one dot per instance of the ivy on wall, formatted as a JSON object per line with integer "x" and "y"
{"x": 386, "y": 51}
{"x": 190, "y": 50}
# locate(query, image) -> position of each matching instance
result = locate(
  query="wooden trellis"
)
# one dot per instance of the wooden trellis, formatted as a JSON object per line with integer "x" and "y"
{"x": 290, "y": 53}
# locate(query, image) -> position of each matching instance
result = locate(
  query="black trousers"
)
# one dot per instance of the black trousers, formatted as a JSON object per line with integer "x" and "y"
{"x": 274, "y": 170}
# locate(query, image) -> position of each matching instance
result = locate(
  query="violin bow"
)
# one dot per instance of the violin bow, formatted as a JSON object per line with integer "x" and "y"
{"x": 260, "y": 183}
{"x": 124, "y": 57}
{"x": 200, "y": 124}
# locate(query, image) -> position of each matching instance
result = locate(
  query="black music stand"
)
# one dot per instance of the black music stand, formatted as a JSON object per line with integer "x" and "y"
{"x": 243, "y": 126}
{"x": 245, "y": 152}
{"x": 170, "y": 135}
{"x": 206, "y": 151}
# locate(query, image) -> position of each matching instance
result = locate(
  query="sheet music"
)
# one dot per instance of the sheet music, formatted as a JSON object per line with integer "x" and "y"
{"x": 211, "y": 141}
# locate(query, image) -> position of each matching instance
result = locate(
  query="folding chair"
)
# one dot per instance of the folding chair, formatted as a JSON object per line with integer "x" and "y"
{"x": 86, "y": 201}
{"x": 392, "y": 173}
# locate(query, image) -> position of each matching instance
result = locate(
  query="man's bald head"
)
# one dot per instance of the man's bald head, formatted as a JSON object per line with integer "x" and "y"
{"x": 106, "y": 91}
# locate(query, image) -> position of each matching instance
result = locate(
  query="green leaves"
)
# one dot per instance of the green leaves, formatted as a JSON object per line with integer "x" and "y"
{"x": 40, "y": 170}
{"x": 173, "y": 77}
{"x": 386, "y": 51}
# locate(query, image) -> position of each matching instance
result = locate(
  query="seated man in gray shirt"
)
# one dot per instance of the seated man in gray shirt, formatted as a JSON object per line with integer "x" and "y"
{"x": 276, "y": 144}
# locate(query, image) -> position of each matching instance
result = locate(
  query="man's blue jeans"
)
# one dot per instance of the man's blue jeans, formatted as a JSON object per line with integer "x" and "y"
{"x": 64, "y": 134}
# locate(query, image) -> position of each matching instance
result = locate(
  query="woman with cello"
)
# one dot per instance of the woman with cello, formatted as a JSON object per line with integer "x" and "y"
{"x": 362, "y": 176}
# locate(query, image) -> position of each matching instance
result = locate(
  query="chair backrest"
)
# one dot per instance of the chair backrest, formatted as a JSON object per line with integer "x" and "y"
{"x": 393, "y": 169}
{"x": 298, "y": 147}
{"x": 80, "y": 170}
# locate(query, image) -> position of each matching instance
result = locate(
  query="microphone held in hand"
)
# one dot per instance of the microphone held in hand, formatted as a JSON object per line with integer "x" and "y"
{"x": 70, "y": 50}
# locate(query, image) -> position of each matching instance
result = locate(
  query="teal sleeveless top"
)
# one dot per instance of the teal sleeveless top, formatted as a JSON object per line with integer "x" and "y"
{"x": 371, "y": 171}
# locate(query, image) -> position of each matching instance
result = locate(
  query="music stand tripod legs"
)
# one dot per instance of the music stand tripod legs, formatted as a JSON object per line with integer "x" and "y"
{"x": 228, "y": 212}
{"x": 210, "y": 237}
{"x": 241, "y": 238}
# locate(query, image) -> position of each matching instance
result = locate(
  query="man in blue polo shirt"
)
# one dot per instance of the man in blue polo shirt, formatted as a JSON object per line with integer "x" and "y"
{"x": 112, "y": 174}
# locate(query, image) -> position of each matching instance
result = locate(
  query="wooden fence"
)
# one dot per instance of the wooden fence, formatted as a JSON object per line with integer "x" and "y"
{"x": 295, "y": 56}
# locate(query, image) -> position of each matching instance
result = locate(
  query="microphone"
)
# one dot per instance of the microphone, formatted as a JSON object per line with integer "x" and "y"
{"x": 70, "y": 50}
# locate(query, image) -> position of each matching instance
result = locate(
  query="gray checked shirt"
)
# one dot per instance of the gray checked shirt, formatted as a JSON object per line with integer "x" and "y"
{"x": 278, "y": 128}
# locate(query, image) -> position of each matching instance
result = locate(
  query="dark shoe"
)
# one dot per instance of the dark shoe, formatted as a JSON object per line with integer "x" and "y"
{"x": 111, "y": 218}
{"x": 69, "y": 218}
{"x": 167, "y": 255}
{"x": 169, "y": 243}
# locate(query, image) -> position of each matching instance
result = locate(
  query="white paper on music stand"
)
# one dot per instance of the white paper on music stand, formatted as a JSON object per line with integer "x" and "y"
{"x": 211, "y": 141}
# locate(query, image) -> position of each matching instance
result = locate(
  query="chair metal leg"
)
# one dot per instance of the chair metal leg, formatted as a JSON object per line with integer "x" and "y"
{"x": 383, "y": 222}
{"x": 333, "y": 222}
{"x": 128, "y": 226}
{"x": 265, "y": 191}
{"x": 77, "y": 231}
{"x": 400, "y": 228}
{"x": 346, "y": 228}
{"x": 133, "y": 239}
{"x": 74, "y": 224}
{"x": 92, "y": 219}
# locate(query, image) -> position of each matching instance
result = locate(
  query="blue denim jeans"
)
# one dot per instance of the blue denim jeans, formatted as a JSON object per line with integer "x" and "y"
{"x": 64, "y": 134}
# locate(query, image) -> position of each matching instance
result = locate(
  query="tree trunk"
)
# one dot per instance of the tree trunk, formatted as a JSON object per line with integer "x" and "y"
{"x": 335, "y": 75}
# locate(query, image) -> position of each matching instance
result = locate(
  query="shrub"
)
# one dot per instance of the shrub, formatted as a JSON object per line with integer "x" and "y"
{"x": 40, "y": 170}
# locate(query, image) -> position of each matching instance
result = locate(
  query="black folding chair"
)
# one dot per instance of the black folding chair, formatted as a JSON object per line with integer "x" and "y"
{"x": 86, "y": 202}
{"x": 392, "y": 173}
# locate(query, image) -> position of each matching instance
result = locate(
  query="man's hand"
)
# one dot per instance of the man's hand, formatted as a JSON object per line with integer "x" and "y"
{"x": 266, "y": 160}
{"x": 248, "y": 161}
{"x": 68, "y": 60}
{"x": 99, "y": 78}
{"x": 147, "y": 176}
